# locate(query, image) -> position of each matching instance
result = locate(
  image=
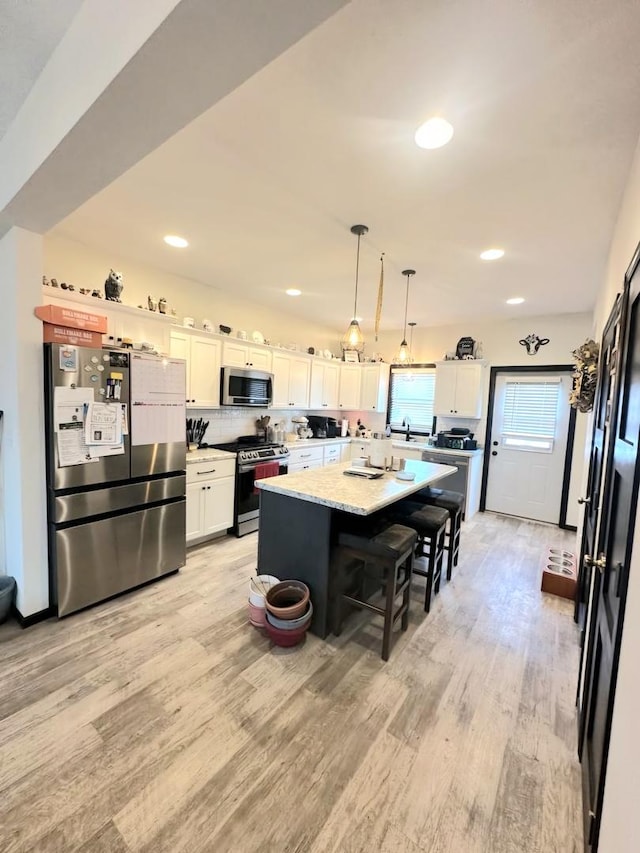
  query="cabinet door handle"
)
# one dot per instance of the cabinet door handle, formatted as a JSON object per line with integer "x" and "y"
{"x": 305, "y": 455}
{"x": 200, "y": 473}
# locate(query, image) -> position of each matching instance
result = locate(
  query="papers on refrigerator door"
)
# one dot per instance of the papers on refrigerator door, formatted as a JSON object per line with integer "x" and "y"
{"x": 103, "y": 424}
{"x": 158, "y": 390}
{"x": 72, "y": 449}
{"x": 68, "y": 425}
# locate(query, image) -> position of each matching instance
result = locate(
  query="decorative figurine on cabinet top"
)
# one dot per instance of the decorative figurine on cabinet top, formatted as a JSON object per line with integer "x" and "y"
{"x": 465, "y": 348}
{"x": 162, "y": 305}
{"x": 113, "y": 286}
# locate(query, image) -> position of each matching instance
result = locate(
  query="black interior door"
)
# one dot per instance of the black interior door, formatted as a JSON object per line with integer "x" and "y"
{"x": 600, "y": 448}
{"x": 611, "y": 565}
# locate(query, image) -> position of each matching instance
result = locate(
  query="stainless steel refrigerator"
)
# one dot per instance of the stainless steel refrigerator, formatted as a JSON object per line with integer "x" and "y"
{"x": 116, "y": 512}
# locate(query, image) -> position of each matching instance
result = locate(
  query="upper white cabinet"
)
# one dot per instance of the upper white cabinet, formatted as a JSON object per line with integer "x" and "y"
{"x": 291, "y": 380}
{"x": 237, "y": 353}
{"x": 375, "y": 387}
{"x": 202, "y": 355}
{"x": 324, "y": 384}
{"x": 459, "y": 389}
{"x": 349, "y": 387}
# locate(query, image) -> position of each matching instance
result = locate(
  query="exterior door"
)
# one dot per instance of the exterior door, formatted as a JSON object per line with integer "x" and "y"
{"x": 529, "y": 434}
{"x": 619, "y": 499}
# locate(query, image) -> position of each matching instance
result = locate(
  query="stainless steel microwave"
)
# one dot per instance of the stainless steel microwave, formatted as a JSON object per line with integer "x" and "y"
{"x": 241, "y": 386}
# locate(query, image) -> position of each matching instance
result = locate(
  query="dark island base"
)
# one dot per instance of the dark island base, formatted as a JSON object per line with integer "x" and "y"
{"x": 294, "y": 541}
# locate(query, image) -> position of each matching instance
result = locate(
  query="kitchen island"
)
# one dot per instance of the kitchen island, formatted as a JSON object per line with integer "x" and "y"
{"x": 301, "y": 513}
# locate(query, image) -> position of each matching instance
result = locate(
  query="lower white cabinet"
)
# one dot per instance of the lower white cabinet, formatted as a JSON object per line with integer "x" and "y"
{"x": 305, "y": 457}
{"x": 210, "y": 496}
{"x": 332, "y": 454}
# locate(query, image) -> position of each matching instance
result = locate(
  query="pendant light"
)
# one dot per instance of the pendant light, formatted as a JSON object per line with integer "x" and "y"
{"x": 354, "y": 339}
{"x": 404, "y": 354}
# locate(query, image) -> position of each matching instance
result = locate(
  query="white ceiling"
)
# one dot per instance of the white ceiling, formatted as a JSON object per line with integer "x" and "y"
{"x": 545, "y": 101}
{"x": 29, "y": 32}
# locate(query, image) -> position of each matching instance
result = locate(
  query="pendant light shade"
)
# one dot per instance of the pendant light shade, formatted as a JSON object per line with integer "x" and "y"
{"x": 404, "y": 353}
{"x": 354, "y": 339}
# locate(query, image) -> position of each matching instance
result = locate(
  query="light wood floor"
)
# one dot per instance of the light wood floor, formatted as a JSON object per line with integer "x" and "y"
{"x": 163, "y": 722}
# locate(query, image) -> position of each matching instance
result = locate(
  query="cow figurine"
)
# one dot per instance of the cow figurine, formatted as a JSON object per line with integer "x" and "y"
{"x": 533, "y": 343}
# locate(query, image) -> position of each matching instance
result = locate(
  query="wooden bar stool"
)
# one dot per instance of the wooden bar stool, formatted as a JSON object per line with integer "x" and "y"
{"x": 389, "y": 553}
{"x": 453, "y": 502}
{"x": 430, "y": 523}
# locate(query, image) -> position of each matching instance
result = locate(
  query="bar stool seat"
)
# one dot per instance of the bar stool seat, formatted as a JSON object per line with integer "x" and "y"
{"x": 453, "y": 502}
{"x": 430, "y": 523}
{"x": 390, "y": 554}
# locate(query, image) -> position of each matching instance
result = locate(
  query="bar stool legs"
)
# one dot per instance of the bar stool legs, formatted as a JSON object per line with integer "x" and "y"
{"x": 391, "y": 553}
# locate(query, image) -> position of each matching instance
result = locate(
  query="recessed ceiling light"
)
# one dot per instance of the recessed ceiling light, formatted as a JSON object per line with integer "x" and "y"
{"x": 434, "y": 133}
{"x": 176, "y": 242}
{"x": 492, "y": 254}
{"x": 516, "y": 300}
{"x": 293, "y": 291}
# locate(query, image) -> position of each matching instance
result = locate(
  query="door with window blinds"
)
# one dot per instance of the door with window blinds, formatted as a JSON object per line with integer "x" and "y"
{"x": 411, "y": 395}
{"x": 528, "y": 445}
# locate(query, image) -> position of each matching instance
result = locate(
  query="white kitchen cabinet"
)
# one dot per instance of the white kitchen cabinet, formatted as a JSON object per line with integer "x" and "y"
{"x": 291, "y": 380}
{"x": 459, "y": 389}
{"x": 305, "y": 457}
{"x": 374, "y": 387}
{"x": 349, "y": 387}
{"x": 210, "y": 496}
{"x": 202, "y": 355}
{"x": 237, "y": 353}
{"x": 324, "y": 385}
{"x": 332, "y": 455}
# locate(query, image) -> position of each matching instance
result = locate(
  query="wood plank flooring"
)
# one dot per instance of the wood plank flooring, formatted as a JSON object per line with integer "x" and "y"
{"x": 162, "y": 721}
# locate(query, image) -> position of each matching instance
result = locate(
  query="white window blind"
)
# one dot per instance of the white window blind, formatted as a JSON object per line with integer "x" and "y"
{"x": 411, "y": 394}
{"x": 530, "y": 415}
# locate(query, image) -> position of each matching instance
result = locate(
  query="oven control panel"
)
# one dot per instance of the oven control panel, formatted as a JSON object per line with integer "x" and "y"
{"x": 263, "y": 453}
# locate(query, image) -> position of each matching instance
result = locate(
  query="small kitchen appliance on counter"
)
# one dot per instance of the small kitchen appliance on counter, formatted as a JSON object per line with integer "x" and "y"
{"x": 256, "y": 459}
{"x": 457, "y": 439}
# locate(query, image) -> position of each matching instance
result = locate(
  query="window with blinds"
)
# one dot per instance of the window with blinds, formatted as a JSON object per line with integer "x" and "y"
{"x": 530, "y": 415}
{"x": 411, "y": 392}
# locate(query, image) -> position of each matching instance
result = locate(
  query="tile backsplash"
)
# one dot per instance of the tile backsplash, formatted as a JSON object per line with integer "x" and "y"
{"x": 227, "y": 423}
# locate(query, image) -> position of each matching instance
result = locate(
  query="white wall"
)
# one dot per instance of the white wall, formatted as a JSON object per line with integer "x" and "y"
{"x": 82, "y": 266}
{"x": 499, "y": 339}
{"x": 620, "y": 830}
{"x": 22, "y": 461}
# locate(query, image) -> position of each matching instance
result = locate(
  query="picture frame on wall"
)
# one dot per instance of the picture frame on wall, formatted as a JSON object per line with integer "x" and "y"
{"x": 351, "y": 356}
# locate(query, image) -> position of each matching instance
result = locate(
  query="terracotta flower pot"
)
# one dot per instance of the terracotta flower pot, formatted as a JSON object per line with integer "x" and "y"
{"x": 288, "y": 600}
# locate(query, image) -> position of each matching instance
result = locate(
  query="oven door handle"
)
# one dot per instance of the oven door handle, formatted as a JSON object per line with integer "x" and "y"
{"x": 244, "y": 469}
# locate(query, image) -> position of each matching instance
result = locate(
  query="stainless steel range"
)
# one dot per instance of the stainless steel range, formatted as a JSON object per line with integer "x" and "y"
{"x": 255, "y": 460}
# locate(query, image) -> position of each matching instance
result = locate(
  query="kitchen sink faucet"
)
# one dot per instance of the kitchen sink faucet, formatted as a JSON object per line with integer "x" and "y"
{"x": 406, "y": 423}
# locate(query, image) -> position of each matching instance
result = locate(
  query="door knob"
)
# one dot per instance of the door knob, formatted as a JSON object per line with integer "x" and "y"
{"x": 584, "y": 500}
{"x": 600, "y": 564}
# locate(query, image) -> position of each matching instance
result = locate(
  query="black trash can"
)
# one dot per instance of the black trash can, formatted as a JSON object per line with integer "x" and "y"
{"x": 7, "y": 595}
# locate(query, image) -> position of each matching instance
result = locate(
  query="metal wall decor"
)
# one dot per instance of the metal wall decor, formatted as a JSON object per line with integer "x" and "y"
{"x": 533, "y": 343}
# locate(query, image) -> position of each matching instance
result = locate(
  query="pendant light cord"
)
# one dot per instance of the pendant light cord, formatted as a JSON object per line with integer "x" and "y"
{"x": 406, "y": 307}
{"x": 355, "y": 300}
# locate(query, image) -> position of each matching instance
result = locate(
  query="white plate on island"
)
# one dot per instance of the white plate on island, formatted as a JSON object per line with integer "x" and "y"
{"x": 405, "y": 475}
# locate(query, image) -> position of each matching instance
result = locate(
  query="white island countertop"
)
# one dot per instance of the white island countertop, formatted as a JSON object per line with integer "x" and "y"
{"x": 329, "y": 486}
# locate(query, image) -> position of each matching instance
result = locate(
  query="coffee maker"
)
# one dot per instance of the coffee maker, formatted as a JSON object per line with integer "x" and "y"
{"x": 318, "y": 426}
